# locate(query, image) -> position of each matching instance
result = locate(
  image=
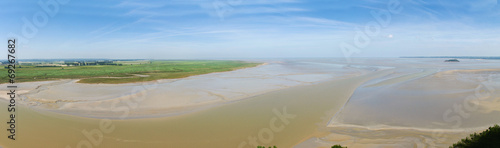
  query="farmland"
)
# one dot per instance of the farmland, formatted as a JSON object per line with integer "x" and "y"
{"x": 125, "y": 71}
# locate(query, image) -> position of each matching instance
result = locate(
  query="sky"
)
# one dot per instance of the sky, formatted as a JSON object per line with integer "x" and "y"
{"x": 212, "y": 29}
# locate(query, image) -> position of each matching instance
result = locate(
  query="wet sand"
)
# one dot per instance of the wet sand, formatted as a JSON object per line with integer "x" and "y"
{"x": 428, "y": 106}
{"x": 227, "y": 125}
{"x": 367, "y": 103}
{"x": 173, "y": 96}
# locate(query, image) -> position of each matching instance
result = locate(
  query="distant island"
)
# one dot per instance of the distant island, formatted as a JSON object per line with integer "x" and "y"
{"x": 452, "y": 60}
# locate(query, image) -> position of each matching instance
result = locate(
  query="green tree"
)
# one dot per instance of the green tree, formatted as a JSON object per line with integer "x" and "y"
{"x": 487, "y": 138}
{"x": 338, "y": 146}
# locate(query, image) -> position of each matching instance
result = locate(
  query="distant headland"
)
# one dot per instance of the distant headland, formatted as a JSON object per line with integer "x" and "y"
{"x": 456, "y": 57}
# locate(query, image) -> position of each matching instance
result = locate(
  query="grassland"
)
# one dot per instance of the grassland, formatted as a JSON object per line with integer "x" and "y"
{"x": 126, "y": 73}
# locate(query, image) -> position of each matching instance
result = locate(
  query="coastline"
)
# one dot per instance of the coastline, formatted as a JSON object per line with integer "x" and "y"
{"x": 185, "y": 95}
{"x": 248, "y": 115}
{"x": 199, "y": 109}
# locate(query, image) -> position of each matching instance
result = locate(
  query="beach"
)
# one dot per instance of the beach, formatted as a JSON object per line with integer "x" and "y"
{"x": 388, "y": 102}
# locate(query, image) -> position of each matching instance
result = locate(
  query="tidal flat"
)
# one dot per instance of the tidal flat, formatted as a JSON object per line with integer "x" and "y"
{"x": 391, "y": 102}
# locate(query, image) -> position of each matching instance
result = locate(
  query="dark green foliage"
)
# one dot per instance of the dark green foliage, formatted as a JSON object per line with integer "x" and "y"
{"x": 338, "y": 146}
{"x": 485, "y": 139}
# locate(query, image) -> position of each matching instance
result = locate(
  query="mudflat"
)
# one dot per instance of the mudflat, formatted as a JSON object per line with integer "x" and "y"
{"x": 295, "y": 102}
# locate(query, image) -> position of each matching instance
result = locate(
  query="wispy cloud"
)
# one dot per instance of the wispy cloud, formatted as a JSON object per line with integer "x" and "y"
{"x": 146, "y": 12}
{"x": 267, "y": 2}
{"x": 263, "y": 10}
{"x": 139, "y": 4}
{"x": 253, "y": 28}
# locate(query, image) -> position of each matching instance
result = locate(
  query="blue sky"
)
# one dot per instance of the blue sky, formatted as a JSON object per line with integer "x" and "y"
{"x": 183, "y": 29}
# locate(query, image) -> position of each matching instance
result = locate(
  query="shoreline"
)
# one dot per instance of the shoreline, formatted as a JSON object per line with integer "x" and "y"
{"x": 247, "y": 99}
{"x": 62, "y": 79}
{"x": 95, "y": 74}
{"x": 145, "y": 76}
{"x": 34, "y": 98}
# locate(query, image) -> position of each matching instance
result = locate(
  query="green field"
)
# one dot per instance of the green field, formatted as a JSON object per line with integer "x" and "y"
{"x": 126, "y": 73}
